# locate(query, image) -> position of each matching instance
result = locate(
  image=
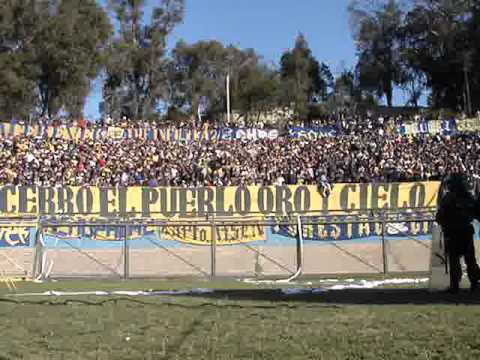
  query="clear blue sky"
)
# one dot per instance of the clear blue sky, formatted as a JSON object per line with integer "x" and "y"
{"x": 268, "y": 26}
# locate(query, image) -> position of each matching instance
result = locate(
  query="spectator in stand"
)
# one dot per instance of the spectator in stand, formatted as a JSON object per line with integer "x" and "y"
{"x": 365, "y": 157}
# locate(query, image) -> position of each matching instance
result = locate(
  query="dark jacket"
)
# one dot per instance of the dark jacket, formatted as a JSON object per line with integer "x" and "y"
{"x": 477, "y": 209}
{"x": 455, "y": 214}
{"x": 457, "y": 210}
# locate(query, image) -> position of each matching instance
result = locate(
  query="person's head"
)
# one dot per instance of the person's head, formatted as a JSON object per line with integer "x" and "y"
{"x": 457, "y": 182}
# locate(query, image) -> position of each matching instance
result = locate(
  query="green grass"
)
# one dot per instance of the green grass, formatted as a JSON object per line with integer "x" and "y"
{"x": 242, "y": 326}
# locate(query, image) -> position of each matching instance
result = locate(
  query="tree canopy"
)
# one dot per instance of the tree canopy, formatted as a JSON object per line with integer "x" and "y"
{"x": 136, "y": 66}
{"x": 304, "y": 79}
{"x": 52, "y": 50}
{"x": 417, "y": 44}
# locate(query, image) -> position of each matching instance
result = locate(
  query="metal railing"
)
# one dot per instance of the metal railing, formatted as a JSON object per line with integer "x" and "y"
{"x": 287, "y": 259}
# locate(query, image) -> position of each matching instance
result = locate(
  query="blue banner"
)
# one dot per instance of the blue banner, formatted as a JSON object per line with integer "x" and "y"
{"x": 449, "y": 127}
{"x": 16, "y": 236}
{"x": 312, "y": 133}
{"x": 315, "y": 229}
{"x": 185, "y": 134}
{"x": 423, "y": 127}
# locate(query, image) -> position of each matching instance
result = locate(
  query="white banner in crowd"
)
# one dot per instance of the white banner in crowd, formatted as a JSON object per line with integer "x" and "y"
{"x": 248, "y": 134}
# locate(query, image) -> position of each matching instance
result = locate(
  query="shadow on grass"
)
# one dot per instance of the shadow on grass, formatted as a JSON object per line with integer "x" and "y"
{"x": 351, "y": 296}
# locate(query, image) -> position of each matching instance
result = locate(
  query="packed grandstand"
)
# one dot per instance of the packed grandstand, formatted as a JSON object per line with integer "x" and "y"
{"x": 356, "y": 150}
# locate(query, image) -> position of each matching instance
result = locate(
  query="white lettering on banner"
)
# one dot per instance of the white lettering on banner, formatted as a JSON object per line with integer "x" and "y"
{"x": 273, "y": 134}
{"x": 444, "y": 127}
{"x": 227, "y": 134}
{"x": 240, "y": 134}
{"x": 252, "y": 134}
{"x": 312, "y": 134}
{"x": 262, "y": 134}
{"x": 248, "y": 134}
{"x": 423, "y": 127}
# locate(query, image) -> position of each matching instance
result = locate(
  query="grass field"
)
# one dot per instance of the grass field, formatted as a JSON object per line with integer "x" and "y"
{"x": 245, "y": 323}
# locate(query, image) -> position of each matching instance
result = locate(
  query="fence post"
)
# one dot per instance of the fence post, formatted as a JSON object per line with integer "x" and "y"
{"x": 213, "y": 249}
{"x": 38, "y": 255}
{"x": 384, "y": 248}
{"x": 126, "y": 255}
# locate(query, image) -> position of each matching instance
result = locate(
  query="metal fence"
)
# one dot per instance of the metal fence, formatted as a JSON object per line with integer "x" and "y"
{"x": 286, "y": 248}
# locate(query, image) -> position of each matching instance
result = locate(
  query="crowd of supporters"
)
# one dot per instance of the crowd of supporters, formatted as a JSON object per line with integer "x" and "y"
{"x": 368, "y": 153}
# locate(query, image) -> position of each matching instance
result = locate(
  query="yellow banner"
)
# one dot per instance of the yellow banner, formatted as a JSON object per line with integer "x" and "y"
{"x": 188, "y": 206}
{"x": 468, "y": 125}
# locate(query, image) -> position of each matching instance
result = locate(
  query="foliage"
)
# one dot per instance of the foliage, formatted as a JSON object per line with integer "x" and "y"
{"x": 198, "y": 79}
{"x": 420, "y": 44}
{"x": 50, "y": 51}
{"x": 441, "y": 38}
{"x": 304, "y": 79}
{"x": 376, "y": 33}
{"x": 257, "y": 91}
{"x": 137, "y": 66}
{"x": 199, "y": 74}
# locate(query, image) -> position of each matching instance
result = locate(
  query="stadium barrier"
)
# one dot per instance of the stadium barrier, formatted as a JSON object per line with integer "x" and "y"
{"x": 390, "y": 249}
{"x": 258, "y": 232}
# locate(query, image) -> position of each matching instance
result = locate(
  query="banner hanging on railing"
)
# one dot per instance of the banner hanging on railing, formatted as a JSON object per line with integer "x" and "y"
{"x": 443, "y": 127}
{"x": 169, "y": 133}
{"x": 247, "y": 134}
{"x": 366, "y": 227}
{"x": 240, "y": 207}
{"x": 312, "y": 133}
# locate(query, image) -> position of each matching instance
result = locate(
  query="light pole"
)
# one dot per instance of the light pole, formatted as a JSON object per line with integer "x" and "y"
{"x": 241, "y": 66}
{"x": 228, "y": 98}
{"x": 468, "y": 99}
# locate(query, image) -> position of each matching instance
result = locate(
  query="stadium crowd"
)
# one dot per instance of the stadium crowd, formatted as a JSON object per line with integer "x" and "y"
{"x": 367, "y": 156}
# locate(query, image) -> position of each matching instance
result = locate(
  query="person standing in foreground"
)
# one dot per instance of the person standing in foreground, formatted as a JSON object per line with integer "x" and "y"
{"x": 456, "y": 211}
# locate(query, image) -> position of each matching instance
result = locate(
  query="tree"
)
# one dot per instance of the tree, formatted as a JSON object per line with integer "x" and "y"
{"x": 50, "y": 51}
{"x": 137, "y": 66}
{"x": 376, "y": 30}
{"x": 442, "y": 42}
{"x": 304, "y": 79}
{"x": 16, "y": 89}
{"x": 474, "y": 39}
{"x": 325, "y": 81}
{"x": 257, "y": 92}
{"x": 198, "y": 79}
{"x": 254, "y": 86}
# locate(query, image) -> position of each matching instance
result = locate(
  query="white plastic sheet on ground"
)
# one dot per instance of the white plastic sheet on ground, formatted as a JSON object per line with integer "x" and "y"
{"x": 352, "y": 284}
{"x": 329, "y": 284}
{"x": 120, "y": 293}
